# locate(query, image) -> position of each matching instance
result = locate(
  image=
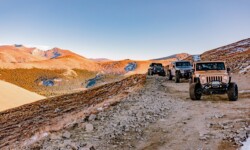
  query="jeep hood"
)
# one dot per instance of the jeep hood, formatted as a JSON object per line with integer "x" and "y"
{"x": 212, "y": 72}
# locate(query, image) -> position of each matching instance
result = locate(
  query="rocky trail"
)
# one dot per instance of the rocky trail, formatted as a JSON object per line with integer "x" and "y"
{"x": 160, "y": 115}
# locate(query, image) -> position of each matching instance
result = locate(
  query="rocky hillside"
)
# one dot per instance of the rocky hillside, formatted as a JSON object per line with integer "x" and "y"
{"x": 35, "y": 120}
{"x": 236, "y": 55}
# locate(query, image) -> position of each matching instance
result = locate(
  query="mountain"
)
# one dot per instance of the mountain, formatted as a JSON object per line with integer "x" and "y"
{"x": 99, "y": 59}
{"x": 179, "y": 56}
{"x": 236, "y": 55}
{"x": 13, "y": 54}
{"x": 18, "y": 56}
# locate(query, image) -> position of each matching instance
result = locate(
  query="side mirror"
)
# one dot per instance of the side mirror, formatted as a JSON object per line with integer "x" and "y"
{"x": 228, "y": 69}
{"x": 192, "y": 70}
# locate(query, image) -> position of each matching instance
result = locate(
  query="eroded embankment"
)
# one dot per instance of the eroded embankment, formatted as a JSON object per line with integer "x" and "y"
{"x": 36, "y": 119}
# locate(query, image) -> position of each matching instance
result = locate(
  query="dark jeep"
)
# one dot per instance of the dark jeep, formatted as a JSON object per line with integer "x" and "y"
{"x": 156, "y": 68}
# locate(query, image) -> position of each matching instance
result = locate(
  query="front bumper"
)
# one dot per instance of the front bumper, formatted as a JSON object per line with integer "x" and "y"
{"x": 158, "y": 71}
{"x": 186, "y": 75}
{"x": 210, "y": 88}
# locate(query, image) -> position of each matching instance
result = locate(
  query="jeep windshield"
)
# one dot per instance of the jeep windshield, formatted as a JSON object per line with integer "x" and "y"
{"x": 156, "y": 65}
{"x": 183, "y": 64}
{"x": 210, "y": 66}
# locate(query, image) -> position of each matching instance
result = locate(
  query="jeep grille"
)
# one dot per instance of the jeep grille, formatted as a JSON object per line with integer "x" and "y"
{"x": 214, "y": 78}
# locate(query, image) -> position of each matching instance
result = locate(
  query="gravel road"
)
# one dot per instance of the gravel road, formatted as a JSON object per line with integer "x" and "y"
{"x": 159, "y": 116}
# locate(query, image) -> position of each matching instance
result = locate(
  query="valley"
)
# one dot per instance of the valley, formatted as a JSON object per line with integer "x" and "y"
{"x": 73, "y": 102}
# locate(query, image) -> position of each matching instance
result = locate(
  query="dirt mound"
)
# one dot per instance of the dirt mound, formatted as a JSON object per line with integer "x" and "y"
{"x": 12, "y": 96}
{"x": 35, "y": 120}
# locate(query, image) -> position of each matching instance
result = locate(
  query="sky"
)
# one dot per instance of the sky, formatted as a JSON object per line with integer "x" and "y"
{"x": 125, "y": 29}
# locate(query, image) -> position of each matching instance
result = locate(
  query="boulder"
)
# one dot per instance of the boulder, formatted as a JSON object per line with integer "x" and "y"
{"x": 66, "y": 134}
{"x": 89, "y": 127}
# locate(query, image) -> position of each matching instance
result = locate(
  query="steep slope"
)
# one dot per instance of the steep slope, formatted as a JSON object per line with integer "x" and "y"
{"x": 12, "y": 96}
{"x": 236, "y": 55}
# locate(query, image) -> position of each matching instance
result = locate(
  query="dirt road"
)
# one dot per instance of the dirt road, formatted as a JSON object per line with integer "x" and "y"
{"x": 160, "y": 116}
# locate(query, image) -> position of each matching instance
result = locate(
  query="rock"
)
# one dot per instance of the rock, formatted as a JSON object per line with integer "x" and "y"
{"x": 242, "y": 135}
{"x": 219, "y": 115}
{"x": 57, "y": 110}
{"x": 100, "y": 109}
{"x": 72, "y": 124}
{"x": 92, "y": 117}
{"x": 89, "y": 127}
{"x": 66, "y": 134}
{"x": 67, "y": 142}
{"x": 88, "y": 147}
{"x": 55, "y": 137}
{"x": 106, "y": 105}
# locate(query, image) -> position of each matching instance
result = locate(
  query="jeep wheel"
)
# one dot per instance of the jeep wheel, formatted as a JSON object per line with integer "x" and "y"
{"x": 163, "y": 74}
{"x": 177, "y": 77}
{"x": 169, "y": 76}
{"x": 195, "y": 91}
{"x": 232, "y": 92}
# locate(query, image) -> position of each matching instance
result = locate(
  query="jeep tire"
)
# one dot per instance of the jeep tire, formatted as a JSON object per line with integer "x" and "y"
{"x": 163, "y": 74}
{"x": 232, "y": 92}
{"x": 177, "y": 77}
{"x": 195, "y": 91}
{"x": 150, "y": 73}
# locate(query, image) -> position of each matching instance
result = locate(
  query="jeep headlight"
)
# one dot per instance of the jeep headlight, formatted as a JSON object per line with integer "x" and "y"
{"x": 225, "y": 79}
{"x": 203, "y": 79}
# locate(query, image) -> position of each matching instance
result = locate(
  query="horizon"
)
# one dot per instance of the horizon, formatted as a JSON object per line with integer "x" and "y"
{"x": 137, "y": 30}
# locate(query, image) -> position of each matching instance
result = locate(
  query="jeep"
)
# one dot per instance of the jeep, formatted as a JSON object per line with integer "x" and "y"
{"x": 156, "y": 68}
{"x": 212, "y": 77}
{"x": 178, "y": 70}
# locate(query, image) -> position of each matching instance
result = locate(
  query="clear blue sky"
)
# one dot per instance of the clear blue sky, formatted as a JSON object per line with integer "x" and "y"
{"x": 120, "y": 29}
